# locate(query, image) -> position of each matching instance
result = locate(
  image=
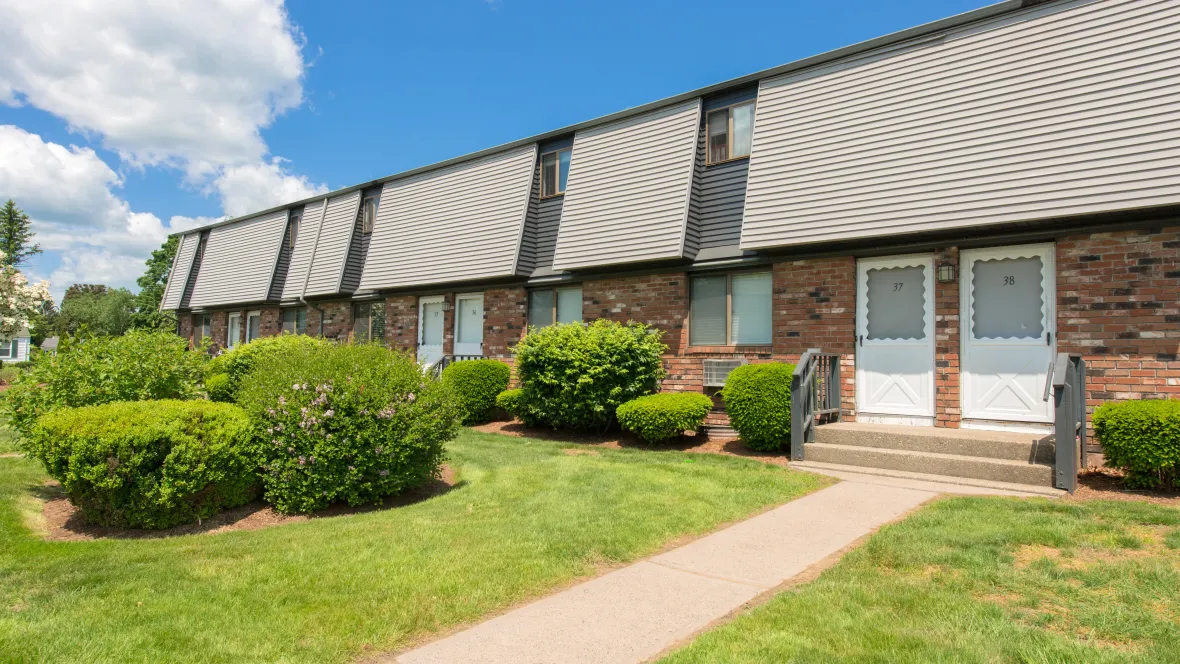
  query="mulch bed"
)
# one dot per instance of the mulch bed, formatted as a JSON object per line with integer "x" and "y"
{"x": 1107, "y": 484}
{"x": 64, "y": 522}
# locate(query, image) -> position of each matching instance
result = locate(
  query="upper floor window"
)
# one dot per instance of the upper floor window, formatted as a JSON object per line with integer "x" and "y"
{"x": 292, "y": 231}
{"x": 295, "y": 321}
{"x": 730, "y": 132}
{"x": 368, "y": 214}
{"x": 557, "y": 305}
{"x": 730, "y": 309}
{"x": 555, "y": 170}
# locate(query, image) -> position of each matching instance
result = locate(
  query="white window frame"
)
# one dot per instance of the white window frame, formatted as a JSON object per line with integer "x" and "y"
{"x": 8, "y": 349}
{"x": 729, "y": 156}
{"x": 232, "y": 341}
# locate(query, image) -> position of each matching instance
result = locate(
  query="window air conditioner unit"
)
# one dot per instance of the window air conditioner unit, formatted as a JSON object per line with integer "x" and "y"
{"x": 716, "y": 371}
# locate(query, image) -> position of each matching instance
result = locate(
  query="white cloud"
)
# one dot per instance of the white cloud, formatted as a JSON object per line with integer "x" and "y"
{"x": 186, "y": 83}
{"x": 253, "y": 187}
{"x": 68, "y": 193}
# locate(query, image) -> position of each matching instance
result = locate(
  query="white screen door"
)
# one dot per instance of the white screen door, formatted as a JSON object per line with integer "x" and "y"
{"x": 1007, "y": 297}
{"x": 430, "y": 329}
{"x": 895, "y": 337}
{"x": 469, "y": 324}
{"x": 234, "y": 332}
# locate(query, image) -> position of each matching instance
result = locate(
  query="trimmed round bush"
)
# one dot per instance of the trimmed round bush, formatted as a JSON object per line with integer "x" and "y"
{"x": 474, "y": 385}
{"x": 574, "y": 376}
{"x": 237, "y": 363}
{"x": 1141, "y": 438}
{"x": 758, "y": 401}
{"x": 86, "y": 371}
{"x": 218, "y": 388}
{"x": 148, "y": 464}
{"x": 659, "y": 417}
{"x": 345, "y": 423}
{"x": 512, "y": 401}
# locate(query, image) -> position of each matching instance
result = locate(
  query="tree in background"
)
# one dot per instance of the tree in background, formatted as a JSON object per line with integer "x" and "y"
{"x": 19, "y": 300}
{"x": 151, "y": 290}
{"x": 102, "y": 310}
{"x": 15, "y": 235}
{"x": 43, "y": 322}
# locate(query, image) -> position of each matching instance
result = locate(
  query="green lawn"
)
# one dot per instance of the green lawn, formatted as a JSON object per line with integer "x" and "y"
{"x": 8, "y": 440}
{"x": 526, "y": 518}
{"x": 981, "y": 580}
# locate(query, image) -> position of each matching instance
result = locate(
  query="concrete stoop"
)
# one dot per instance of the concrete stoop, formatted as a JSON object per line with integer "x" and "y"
{"x": 990, "y": 456}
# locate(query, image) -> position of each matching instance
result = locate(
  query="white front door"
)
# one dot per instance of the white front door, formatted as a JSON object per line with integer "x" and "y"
{"x": 1007, "y": 298}
{"x": 469, "y": 324}
{"x": 233, "y": 330}
{"x": 430, "y": 329}
{"x": 895, "y": 338}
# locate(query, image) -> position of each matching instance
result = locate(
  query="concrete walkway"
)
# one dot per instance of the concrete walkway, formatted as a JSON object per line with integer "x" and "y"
{"x": 635, "y": 613}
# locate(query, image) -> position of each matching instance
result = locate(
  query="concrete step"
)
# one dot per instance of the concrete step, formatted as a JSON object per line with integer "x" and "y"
{"x": 933, "y": 463}
{"x": 940, "y": 483}
{"x": 1026, "y": 447}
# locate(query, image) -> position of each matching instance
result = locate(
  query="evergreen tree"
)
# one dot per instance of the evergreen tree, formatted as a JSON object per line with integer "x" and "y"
{"x": 151, "y": 290}
{"x": 15, "y": 235}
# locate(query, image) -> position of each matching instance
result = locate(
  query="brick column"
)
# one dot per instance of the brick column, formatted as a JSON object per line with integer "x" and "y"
{"x": 947, "y": 400}
{"x": 505, "y": 313}
{"x": 401, "y": 322}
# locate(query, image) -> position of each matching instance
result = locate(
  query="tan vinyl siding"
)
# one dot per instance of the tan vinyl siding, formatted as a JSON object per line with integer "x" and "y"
{"x": 181, "y": 265}
{"x": 305, "y": 240}
{"x": 239, "y": 261}
{"x": 1061, "y": 109}
{"x": 330, "y": 253}
{"x": 457, "y": 224}
{"x": 628, "y": 192}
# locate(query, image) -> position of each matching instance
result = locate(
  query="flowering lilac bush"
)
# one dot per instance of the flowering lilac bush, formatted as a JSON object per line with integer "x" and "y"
{"x": 350, "y": 423}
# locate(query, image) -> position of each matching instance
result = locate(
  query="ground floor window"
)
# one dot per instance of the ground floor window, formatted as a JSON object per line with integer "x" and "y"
{"x": 295, "y": 321}
{"x": 730, "y": 309}
{"x": 555, "y": 305}
{"x": 253, "y": 325}
{"x": 233, "y": 330}
{"x": 368, "y": 321}
{"x": 8, "y": 349}
{"x": 202, "y": 326}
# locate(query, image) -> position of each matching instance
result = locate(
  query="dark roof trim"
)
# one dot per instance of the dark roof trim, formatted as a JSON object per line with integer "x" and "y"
{"x": 909, "y": 33}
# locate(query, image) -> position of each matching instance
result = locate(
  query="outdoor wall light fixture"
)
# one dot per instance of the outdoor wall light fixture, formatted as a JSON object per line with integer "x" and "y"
{"x": 947, "y": 273}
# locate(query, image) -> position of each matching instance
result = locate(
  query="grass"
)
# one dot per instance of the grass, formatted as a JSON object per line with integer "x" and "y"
{"x": 981, "y": 580}
{"x": 526, "y": 518}
{"x": 8, "y": 440}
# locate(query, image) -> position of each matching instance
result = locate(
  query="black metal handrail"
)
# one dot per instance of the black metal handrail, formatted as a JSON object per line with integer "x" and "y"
{"x": 1069, "y": 410}
{"x": 815, "y": 396}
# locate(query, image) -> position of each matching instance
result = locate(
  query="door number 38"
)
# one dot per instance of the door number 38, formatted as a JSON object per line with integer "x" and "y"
{"x": 1009, "y": 280}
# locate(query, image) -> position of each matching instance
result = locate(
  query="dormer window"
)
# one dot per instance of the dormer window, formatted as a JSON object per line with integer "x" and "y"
{"x": 368, "y": 214}
{"x": 555, "y": 170}
{"x": 292, "y": 231}
{"x": 730, "y": 132}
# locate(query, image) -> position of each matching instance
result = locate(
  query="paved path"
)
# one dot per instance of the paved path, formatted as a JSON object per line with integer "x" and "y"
{"x": 634, "y": 613}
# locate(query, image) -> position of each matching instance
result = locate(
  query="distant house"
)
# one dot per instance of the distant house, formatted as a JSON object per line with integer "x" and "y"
{"x": 16, "y": 348}
{"x": 50, "y": 344}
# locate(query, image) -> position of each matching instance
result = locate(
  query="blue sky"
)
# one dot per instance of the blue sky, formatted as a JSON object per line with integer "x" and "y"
{"x": 175, "y": 117}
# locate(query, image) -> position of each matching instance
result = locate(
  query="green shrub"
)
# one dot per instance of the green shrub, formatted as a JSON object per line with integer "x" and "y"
{"x": 9, "y": 374}
{"x": 474, "y": 385}
{"x": 1141, "y": 438}
{"x": 218, "y": 388}
{"x": 352, "y": 423}
{"x": 512, "y": 401}
{"x": 137, "y": 366}
{"x": 240, "y": 361}
{"x": 758, "y": 401}
{"x": 23, "y": 364}
{"x": 148, "y": 464}
{"x": 658, "y": 417}
{"x": 574, "y": 376}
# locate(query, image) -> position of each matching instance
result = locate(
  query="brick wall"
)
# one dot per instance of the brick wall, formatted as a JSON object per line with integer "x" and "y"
{"x": 337, "y": 320}
{"x": 1118, "y": 303}
{"x": 815, "y": 307}
{"x": 505, "y": 313}
{"x": 948, "y": 408}
{"x": 185, "y": 326}
{"x": 218, "y": 324}
{"x": 271, "y": 323}
{"x": 401, "y": 322}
